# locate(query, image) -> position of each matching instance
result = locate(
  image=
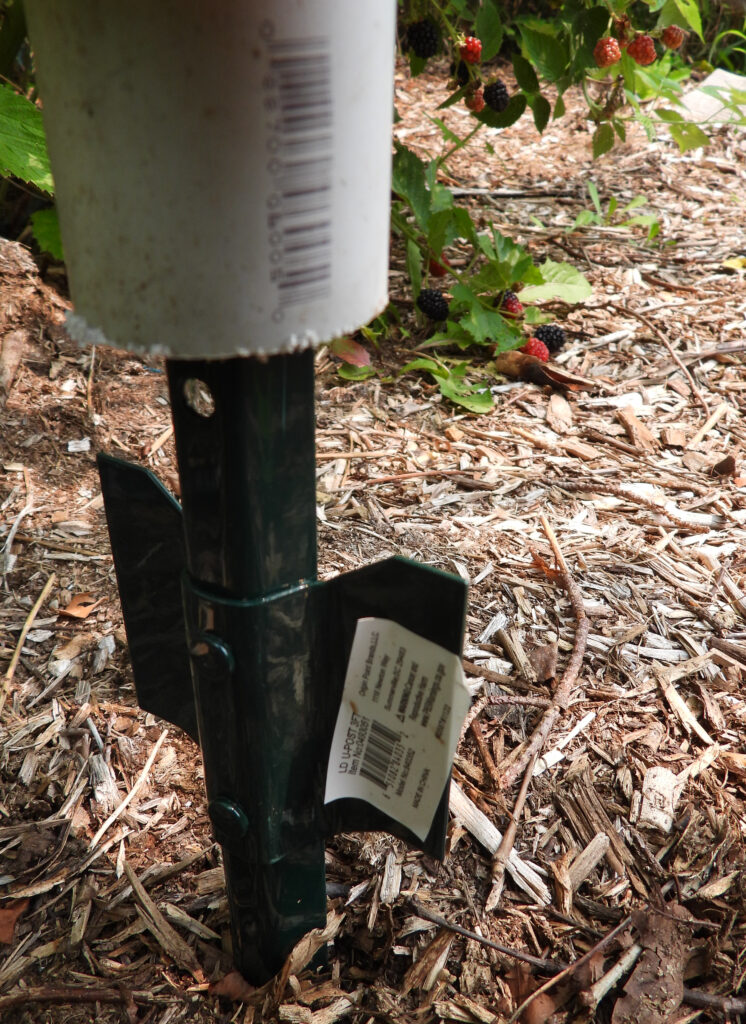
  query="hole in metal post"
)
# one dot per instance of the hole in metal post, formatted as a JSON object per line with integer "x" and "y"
{"x": 198, "y": 397}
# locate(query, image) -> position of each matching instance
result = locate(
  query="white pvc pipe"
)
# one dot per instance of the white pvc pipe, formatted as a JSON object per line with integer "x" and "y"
{"x": 222, "y": 168}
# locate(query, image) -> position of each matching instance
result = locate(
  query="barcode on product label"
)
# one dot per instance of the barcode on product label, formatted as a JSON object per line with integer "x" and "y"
{"x": 379, "y": 753}
{"x": 298, "y": 102}
{"x": 399, "y": 720}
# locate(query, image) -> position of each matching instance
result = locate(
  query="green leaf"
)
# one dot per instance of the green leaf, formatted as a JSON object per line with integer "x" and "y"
{"x": 488, "y": 27}
{"x": 416, "y": 65}
{"x": 603, "y": 139}
{"x": 583, "y": 218}
{"x": 23, "y": 146}
{"x": 688, "y": 136}
{"x": 561, "y": 281}
{"x": 414, "y": 266}
{"x": 595, "y": 199}
{"x": 547, "y": 52}
{"x": 463, "y": 226}
{"x": 542, "y": 111}
{"x": 559, "y": 109}
{"x": 620, "y": 129}
{"x": 408, "y": 181}
{"x": 46, "y": 228}
{"x": 525, "y": 74}
{"x": 475, "y": 397}
{"x": 425, "y": 364}
{"x": 589, "y": 26}
{"x": 355, "y": 372}
{"x": 453, "y": 98}
{"x": 514, "y": 109}
{"x": 690, "y": 13}
{"x": 448, "y": 136}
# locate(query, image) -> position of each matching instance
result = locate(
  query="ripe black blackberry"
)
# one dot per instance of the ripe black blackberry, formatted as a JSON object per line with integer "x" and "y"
{"x": 423, "y": 38}
{"x": 433, "y": 304}
{"x": 496, "y": 95}
{"x": 552, "y": 335}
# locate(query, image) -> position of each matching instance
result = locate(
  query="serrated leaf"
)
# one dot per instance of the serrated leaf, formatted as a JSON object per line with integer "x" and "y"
{"x": 690, "y": 13}
{"x": 46, "y": 228}
{"x": 23, "y": 145}
{"x": 603, "y": 139}
{"x": 620, "y": 129}
{"x": 688, "y": 136}
{"x": 561, "y": 281}
{"x": 485, "y": 325}
{"x": 542, "y": 111}
{"x": 463, "y": 226}
{"x": 525, "y": 75}
{"x": 437, "y": 231}
{"x": 516, "y": 106}
{"x": 475, "y": 398}
{"x": 488, "y": 27}
{"x": 589, "y": 26}
{"x": 356, "y": 372}
{"x": 408, "y": 181}
{"x": 547, "y": 52}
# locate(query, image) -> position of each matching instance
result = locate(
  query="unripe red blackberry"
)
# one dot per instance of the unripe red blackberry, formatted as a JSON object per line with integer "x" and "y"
{"x": 471, "y": 50}
{"x": 475, "y": 100}
{"x": 496, "y": 96}
{"x": 510, "y": 304}
{"x": 607, "y": 52}
{"x": 673, "y": 37}
{"x": 433, "y": 304}
{"x": 423, "y": 38}
{"x": 552, "y": 335}
{"x": 534, "y": 347}
{"x": 642, "y": 50}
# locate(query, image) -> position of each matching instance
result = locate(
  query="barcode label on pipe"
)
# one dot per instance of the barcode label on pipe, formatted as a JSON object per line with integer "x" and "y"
{"x": 398, "y": 725}
{"x": 298, "y": 105}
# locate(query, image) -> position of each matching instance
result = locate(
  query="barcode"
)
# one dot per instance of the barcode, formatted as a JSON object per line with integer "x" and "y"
{"x": 298, "y": 97}
{"x": 378, "y": 753}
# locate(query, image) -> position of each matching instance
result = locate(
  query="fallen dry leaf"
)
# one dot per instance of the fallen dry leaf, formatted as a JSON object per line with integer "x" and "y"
{"x": 521, "y": 366}
{"x": 233, "y": 986}
{"x": 726, "y": 467}
{"x": 8, "y": 917}
{"x": 81, "y": 606}
{"x": 544, "y": 662}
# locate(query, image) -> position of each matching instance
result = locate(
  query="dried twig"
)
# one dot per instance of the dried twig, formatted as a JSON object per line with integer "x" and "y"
{"x": 476, "y": 731}
{"x": 567, "y": 971}
{"x": 10, "y": 671}
{"x": 562, "y": 695}
{"x": 620, "y": 491}
{"x": 66, "y": 995}
{"x": 442, "y": 922}
{"x": 502, "y": 854}
{"x": 132, "y": 793}
{"x": 661, "y": 336}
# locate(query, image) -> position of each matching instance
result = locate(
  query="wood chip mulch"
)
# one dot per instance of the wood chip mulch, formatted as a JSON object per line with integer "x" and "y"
{"x": 602, "y": 533}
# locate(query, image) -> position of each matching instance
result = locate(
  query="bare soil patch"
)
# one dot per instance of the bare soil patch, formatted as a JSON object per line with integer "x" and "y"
{"x": 638, "y": 485}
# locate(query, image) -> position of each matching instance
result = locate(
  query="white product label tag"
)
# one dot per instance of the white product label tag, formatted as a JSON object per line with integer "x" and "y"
{"x": 404, "y": 701}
